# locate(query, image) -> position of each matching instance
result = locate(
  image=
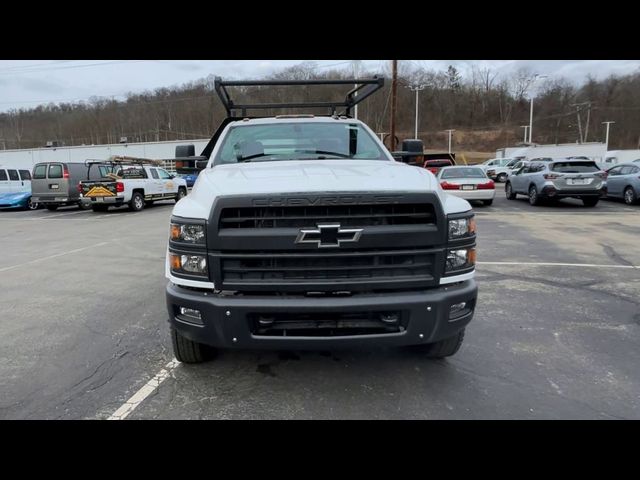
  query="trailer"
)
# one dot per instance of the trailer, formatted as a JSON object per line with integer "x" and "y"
{"x": 592, "y": 150}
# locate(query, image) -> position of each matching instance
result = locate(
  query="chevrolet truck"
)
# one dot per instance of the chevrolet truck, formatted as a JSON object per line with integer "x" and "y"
{"x": 303, "y": 232}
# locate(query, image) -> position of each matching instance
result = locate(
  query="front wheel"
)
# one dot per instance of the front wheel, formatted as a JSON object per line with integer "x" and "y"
{"x": 188, "y": 351}
{"x": 137, "y": 202}
{"x": 443, "y": 348}
{"x": 508, "y": 191}
{"x": 181, "y": 194}
{"x": 630, "y": 196}
{"x": 31, "y": 205}
{"x": 590, "y": 202}
{"x": 502, "y": 177}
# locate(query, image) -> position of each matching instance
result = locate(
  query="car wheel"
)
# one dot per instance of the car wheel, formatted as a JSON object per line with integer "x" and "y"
{"x": 84, "y": 205}
{"x": 188, "y": 351}
{"x": 590, "y": 202}
{"x": 534, "y": 198}
{"x": 630, "y": 196}
{"x": 52, "y": 208}
{"x": 502, "y": 177}
{"x": 137, "y": 202}
{"x": 443, "y": 348}
{"x": 181, "y": 194}
{"x": 508, "y": 190}
{"x": 31, "y": 205}
{"x": 487, "y": 202}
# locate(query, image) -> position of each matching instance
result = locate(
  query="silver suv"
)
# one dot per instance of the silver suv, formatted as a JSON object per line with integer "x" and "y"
{"x": 557, "y": 179}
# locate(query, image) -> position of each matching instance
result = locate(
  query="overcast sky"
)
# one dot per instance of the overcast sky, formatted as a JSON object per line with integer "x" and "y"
{"x": 28, "y": 83}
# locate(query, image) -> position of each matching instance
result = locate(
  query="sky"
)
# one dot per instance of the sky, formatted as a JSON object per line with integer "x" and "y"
{"x": 28, "y": 83}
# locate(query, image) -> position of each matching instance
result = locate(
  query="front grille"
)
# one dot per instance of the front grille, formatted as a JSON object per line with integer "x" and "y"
{"x": 320, "y": 324}
{"x": 330, "y": 269}
{"x": 345, "y": 215}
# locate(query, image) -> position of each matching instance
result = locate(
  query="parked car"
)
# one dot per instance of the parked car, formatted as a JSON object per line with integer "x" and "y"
{"x": 15, "y": 189}
{"x": 468, "y": 182}
{"x": 623, "y": 181}
{"x": 434, "y": 165}
{"x": 498, "y": 168}
{"x": 190, "y": 178}
{"x": 55, "y": 184}
{"x": 557, "y": 179}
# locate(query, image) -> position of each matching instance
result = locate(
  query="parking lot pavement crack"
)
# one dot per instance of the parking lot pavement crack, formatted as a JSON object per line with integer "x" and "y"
{"x": 615, "y": 256}
{"x": 551, "y": 283}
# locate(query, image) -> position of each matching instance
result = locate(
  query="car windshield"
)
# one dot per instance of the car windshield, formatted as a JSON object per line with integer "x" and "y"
{"x": 298, "y": 141}
{"x": 574, "y": 167}
{"x": 462, "y": 173}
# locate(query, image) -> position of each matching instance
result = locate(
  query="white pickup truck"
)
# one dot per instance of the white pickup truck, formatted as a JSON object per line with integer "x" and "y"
{"x": 303, "y": 232}
{"x": 133, "y": 183}
{"x": 498, "y": 168}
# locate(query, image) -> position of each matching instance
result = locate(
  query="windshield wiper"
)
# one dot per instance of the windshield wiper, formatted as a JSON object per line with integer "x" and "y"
{"x": 250, "y": 157}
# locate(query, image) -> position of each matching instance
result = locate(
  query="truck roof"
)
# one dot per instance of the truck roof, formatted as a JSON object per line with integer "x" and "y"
{"x": 294, "y": 119}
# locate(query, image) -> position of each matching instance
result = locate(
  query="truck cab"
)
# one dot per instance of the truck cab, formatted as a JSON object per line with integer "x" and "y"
{"x": 303, "y": 232}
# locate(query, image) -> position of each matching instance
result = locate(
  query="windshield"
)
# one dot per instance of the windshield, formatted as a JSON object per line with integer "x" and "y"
{"x": 462, "y": 173}
{"x": 575, "y": 167}
{"x": 298, "y": 141}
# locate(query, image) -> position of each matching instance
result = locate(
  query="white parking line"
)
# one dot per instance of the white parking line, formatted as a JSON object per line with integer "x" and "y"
{"x": 146, "y": 390}
{"x": 550, "y": 264}
{"x": 4, "y": 269}
{"x": 47, "y": 217}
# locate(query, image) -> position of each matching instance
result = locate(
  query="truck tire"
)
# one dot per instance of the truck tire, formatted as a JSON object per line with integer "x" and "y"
{"x": 443, "y": 348}
{"x": 137, "y": 202}
{"x": 52, "y": 208}
{"x": 508, "y": 191}
{"x": 84, "y": 205}
{"x": 182, "y": 192}
{"x": 187, "y": 351}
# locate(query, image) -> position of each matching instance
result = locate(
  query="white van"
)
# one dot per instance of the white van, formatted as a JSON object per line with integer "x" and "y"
{"x": 15, "y": 189}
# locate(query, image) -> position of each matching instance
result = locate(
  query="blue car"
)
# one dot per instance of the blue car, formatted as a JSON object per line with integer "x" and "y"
{"x": 20, "y": 200}
{"x": 623, "y": 181}
{"x": 190, "y": 178}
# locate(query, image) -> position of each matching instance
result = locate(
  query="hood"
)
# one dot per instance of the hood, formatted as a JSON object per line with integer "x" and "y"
{"x": 305, "y": 176}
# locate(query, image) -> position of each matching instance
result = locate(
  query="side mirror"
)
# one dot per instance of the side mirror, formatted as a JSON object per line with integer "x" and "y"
{"x": 201, "y": 163}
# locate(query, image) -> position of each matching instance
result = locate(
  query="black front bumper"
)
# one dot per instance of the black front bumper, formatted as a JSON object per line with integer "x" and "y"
{"x": 226, "y": 320}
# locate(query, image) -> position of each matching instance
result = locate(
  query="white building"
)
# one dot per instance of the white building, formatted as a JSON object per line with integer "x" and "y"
{"x": 27, "y": 158}
{"x": 593, "y": 150}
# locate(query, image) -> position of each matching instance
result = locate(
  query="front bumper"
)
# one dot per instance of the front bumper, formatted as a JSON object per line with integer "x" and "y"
{"x": 226, "y": 320}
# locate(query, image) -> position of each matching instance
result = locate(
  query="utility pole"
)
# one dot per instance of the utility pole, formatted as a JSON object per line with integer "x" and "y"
{"x": 394, "y": 93}
{"x": 524, "y": 140}
{"x": 356, "y": 72}
{"x": 416, "y": 88}
{"x": 535, "y": 78}
{"x": 586, "y": 130}
{"x": 450, "y": 132}
{"x": 578, "y": 105}
{"x": 606, "y": 141}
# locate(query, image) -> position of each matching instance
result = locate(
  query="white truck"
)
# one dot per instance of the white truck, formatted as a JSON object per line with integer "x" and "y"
{"x": 303, "y": 232}
{"x": 498, "y": 168}
{"x": 132, "y": 182}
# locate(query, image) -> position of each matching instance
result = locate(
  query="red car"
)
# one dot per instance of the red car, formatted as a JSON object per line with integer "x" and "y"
{"x": 434, "y": 165}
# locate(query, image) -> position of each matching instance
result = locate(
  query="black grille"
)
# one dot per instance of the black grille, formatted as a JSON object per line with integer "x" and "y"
{"x": 296, "y": 268}
{"x": 320, "y": 324}
{"x": 345, "y": 215}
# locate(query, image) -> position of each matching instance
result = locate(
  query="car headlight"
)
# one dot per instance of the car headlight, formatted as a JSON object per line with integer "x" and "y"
{"x": 188, "y": 233}
{"x": 460, "y": 259}
{"x": 462, "y": 227}
{"x": 189, "y": 264}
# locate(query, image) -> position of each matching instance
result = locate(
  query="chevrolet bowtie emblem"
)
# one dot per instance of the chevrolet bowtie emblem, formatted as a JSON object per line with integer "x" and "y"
{"x": 329, "y": 235}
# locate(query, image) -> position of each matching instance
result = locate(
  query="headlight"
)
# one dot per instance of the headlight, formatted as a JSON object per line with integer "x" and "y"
{"x": 191, "y": 264}
{"x": 461, "y": 227}
{"x": 187, "y": 233}
{"x": 460, "y": 259}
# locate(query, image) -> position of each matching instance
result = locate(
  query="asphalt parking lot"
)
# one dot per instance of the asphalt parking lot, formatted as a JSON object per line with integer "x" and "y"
{"x": 556, "y": 332}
